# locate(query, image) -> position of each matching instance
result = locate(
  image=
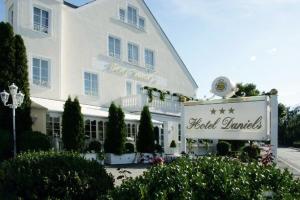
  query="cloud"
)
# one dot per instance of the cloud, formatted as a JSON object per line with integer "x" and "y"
{"x": 253, "y": 58}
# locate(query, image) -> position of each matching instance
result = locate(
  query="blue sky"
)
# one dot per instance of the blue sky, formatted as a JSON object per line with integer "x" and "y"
{"x": 250, "y": 41}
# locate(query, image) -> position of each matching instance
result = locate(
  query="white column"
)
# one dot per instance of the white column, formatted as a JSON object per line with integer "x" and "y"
{"x": 274, "y": 125}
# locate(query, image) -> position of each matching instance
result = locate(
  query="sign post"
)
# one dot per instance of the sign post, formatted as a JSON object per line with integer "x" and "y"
{"x": 274, "y": 126}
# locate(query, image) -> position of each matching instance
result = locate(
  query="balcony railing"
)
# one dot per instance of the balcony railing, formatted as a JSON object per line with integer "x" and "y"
{"x": 137, "y": 102}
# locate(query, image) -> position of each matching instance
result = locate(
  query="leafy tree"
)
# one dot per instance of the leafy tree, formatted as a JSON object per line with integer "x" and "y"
{"x": 7, "y": 63}
{"x": 72, "y": 125}
{"x": 248, "y": 89}
{"x": 145, "y": 139}
{"x": 116, "y": 131}
{"x": 282, "y": 124}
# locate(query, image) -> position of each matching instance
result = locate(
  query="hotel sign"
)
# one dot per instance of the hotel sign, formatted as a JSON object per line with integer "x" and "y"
{"x": 246, "y": 118}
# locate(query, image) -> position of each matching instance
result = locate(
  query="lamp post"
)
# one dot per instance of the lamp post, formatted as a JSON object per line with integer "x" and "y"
{"x": 17, "y": 100}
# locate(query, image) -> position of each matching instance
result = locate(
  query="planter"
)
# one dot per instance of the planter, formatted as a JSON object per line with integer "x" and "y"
{"x": 114, "y": 159}
{"x": 92, "y": 156}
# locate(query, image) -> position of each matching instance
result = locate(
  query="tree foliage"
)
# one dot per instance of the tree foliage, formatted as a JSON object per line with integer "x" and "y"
{"x": 145, "y": 139}
{"x": 14, "y": 69}
{"x": 116, "y": 131}
{"x": 248, "y": 89}
{"x": 72, "y": 125}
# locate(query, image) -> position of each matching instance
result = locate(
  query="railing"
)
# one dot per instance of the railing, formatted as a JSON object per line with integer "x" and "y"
{"x": 136, "y": 103}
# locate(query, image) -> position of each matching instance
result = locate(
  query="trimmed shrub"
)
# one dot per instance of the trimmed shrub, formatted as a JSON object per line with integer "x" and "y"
{"x": 223, "y": 148}
{"x": 250, "y": 153}
{"x": 52, "y": 175}
{"x": 33, "y": 141}
{"x": 129, "y": 148}
{"x": 173, "y": 144}
{"x": 94, "y": 146}
{"x": 116, "y": 131}
{"x": 72, "y": 126}
{"x": 145, "y": 138}
{"x": 209, "y": 178}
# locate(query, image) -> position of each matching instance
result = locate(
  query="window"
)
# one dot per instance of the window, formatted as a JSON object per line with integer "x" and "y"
{"x": 122, "y": 14}
{"x": 90, "y": 128}
{"x": 179, "y": 132}
{"x": 149, "y": 58}
{"x": 90, "y": 84}
{"x": 53, "y": 126}
{"x": 128, "y": 88}
{"x": 114, "y": 47}
{"x": 132, "y": 16}
{"x": 141, "y": 23}
{"x": 40, "y": 20}
{"x": 139, "y": 88}
{"x": 11, "y": 15}
{"x": 133, "y": 53}
{"x": 40, "y": 72}
{"x": 133, "y": 131}
{"x": 101, "y": 131}
{"x": 128, "y": 130}
{"x": 162, "y": 136}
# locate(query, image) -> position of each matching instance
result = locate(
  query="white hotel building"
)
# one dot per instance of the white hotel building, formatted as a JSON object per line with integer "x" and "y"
{"x": 103, "y": 51}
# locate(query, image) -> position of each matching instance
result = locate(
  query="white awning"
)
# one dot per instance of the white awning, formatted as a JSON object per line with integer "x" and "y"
{"x": 87, "y": 110}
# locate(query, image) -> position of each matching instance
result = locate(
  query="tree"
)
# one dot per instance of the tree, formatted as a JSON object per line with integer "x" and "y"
{"x": 72, "y": 125}
{"x": 145, "y": 139}
{"x": 248, "y": 89}
{"x": 7, "y": 63}
{"x": 116, "y": 131}
{"x": 20, "y": 78}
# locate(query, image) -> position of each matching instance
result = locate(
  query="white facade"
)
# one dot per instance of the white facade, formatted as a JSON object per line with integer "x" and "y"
{"x": 101, "y": 52}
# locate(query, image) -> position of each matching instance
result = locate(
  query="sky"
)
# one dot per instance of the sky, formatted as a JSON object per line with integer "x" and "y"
{"x": 249, "y": 41}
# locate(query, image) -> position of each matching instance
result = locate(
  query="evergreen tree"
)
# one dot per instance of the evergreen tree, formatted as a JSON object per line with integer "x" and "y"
{"x": 7, "y": 63}
{"x": 145, "y": 139}
{"x": 20, "y": 78}
{"x": 116, "y": 131}
{"x": 72, "y": 125}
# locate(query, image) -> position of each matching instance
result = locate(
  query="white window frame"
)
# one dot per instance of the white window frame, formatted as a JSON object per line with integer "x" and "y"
{"x": 147, "y": 65}
{"x": 40, "y": 73}
{"x": 90, "y": 127}
{"x": 132, "y": 60}
{"x": 54, "y": 115}
{"x": 114, "y": 54}
{"x": 137, "y": 15}
{"x": 119, "y": 14}
{"x": 98, "y": 81}
{"x": 40, "y": 25}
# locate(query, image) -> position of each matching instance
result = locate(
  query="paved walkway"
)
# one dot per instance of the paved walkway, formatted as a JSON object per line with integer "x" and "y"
{"x": 134, "y": 169}
{"x": 289, "y": 158}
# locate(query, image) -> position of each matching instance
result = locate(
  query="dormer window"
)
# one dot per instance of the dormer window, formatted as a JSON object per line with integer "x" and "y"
{"x": 40, "y": 20}
{"x": 132, "y": 16}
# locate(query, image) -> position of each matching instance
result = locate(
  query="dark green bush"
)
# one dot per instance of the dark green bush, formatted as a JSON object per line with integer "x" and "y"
{"x": 6, "y": 145}
{"x": 223, "y": 148}
{"x": 250, "y": 153}
{"x": 129, "y": 148}
{"x": 52, "y": 175}
{"x": 94, "y": 146}
{"x": 33, "y": 141}
{"x": 209, "y": 178}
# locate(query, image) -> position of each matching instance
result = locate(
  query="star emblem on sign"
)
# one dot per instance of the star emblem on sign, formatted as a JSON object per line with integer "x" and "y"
{"x": 231, "y": 110}
{"x": 213, "y": 111}
{"x": 222, "y": 111}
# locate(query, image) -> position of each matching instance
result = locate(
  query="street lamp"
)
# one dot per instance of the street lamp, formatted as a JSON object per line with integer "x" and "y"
{"x": 17, "y": 100}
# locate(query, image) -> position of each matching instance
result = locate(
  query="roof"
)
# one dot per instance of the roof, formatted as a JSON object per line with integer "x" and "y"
{"x": 75, "y": 6}
{"x": 87, "y": 110}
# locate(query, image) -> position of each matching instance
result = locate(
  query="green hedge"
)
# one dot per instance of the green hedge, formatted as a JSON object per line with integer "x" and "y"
{"x": 223, "y": 148}
{"x": 250, "y": 153}
{"x": 209, "y": 178}
{"x": 33, "y": 141}
{"x": 51, "y": 175}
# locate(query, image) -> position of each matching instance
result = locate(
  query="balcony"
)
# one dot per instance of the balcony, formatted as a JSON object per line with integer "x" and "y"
{"x": 135, "y": 103}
